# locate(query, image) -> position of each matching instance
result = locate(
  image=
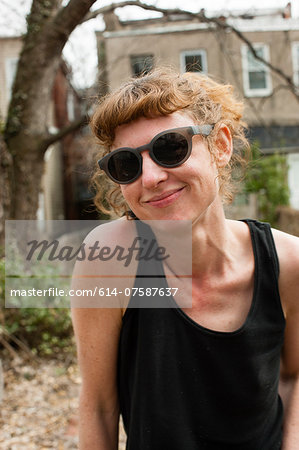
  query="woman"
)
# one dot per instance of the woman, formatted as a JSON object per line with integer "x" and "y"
{"x": 195, "y": 377}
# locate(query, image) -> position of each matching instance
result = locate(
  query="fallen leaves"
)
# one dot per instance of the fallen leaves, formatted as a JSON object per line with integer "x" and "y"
{"x": 38, "y": 401}
{"x": 39, "y": 408}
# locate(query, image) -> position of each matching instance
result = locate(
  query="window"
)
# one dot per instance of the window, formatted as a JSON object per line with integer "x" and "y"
{"x": 293, "y": 180}
{"x": 141, "y": 64}
{"x": 295, "y": 54}
{"x": 194, "y": 61}
{"x": 70, "y": 104}
{"x": 10, "y": 72}
{"x": 256, "y": 76}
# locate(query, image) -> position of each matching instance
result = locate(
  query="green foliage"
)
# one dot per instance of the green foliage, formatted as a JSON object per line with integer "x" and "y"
{"x": 267, "y": 177}
{"x": 46, "y": 331}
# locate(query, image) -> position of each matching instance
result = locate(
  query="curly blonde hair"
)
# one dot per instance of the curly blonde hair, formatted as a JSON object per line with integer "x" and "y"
{"x": 159, "y": 93}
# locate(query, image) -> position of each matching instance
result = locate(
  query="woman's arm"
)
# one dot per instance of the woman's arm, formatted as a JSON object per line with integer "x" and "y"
{"x": 97, "y": 331}
{"x": 290, "y": 374}
{"x": 288, "y": 253}
{"x": 291, "y": 422}
{"x": 97, "y": 334}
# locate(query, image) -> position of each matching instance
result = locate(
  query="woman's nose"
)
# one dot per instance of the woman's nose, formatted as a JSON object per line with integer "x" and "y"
{"x": 152, "y": 173}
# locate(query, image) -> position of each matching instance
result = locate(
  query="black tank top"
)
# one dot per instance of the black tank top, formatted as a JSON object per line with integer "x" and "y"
{"x": 185, "y": 387}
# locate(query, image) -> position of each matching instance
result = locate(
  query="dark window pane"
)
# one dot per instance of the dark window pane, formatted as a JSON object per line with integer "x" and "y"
{"x": 142, "y": 64}
{"x": 257, "y": 80}
{"x": 193, "y": 63}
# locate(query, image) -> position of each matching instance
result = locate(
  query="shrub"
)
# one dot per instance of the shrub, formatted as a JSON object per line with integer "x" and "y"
{"x": 267, "y": 176}
{"x": 46, "y": 331}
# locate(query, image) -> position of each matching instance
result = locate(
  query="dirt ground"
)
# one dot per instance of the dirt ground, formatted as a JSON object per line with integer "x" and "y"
{"x": 39, "y": 406}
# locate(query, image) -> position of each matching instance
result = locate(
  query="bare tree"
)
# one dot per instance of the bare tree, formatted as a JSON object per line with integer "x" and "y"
{"x": 26, "y": 137}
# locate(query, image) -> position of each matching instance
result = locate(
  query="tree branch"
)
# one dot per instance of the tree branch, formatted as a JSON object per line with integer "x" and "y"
{"x": 70, "y": 128}
{"x": 237, "y": 83}
{"x": 69, "y": 17}
{"x": 201, "y": 16}
{"x": 274, "y": 69}
{"x": 49, "y": 26}
{"x": 113, "y": 6}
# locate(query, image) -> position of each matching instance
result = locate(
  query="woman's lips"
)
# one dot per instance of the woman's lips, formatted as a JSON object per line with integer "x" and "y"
{"x": 165, "y": 199}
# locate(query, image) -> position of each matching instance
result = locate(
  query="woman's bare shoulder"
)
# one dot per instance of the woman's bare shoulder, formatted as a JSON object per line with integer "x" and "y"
{"x": 287, "y": 247}
{"x": 109, "y": 241}
{"x": 112, "y": 232}
{"x": 106, "y": 267}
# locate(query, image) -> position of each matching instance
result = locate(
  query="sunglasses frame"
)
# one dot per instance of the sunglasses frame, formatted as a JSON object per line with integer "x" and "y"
{"x": 188, "y": 132}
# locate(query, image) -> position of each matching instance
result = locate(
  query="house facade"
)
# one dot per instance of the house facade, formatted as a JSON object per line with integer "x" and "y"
{"x": 272, "y": 111}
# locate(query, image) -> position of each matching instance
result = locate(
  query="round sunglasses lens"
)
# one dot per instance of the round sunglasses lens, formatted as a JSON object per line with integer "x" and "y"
{"x": 170, "y": 149}
{"x": 123, "y": 166}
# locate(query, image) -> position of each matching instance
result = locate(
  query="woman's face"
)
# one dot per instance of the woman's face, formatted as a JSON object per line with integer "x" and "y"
{"x": 185, "y": 192}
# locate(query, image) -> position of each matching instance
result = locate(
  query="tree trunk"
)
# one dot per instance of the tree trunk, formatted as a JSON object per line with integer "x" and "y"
{"x": 29, "y": 110}
{"x": 26, "y": 185}
{"x": 5, "y": 194}
{"x": 26, "y": 131}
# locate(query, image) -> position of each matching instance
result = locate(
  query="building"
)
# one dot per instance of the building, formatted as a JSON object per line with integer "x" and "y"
{"x": 272, "y": 110}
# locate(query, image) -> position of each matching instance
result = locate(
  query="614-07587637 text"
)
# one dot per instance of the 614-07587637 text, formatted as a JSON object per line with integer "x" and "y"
{"x": 140, "y": 291}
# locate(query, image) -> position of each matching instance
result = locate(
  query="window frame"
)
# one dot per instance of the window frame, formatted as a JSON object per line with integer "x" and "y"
{"x": 295, "y": 61}
{"x": 249, "y": 92}
{"x": 202, "y": 52}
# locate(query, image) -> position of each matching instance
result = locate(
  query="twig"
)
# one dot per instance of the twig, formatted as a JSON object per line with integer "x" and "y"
{"x": 8, "y": 347}
{"x": 18, "y": 342}
{"x": 73, "y": 126}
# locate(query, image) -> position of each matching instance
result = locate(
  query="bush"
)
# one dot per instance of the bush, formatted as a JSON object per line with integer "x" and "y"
{"x": 267, "y": 176}
{"x": 46, "y": 331}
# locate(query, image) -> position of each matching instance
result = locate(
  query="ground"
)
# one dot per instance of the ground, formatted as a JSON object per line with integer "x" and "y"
{"x": 39, "y": 405}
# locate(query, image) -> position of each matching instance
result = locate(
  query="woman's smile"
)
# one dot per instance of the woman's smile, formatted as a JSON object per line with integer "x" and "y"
{"x": 166, "y": 198}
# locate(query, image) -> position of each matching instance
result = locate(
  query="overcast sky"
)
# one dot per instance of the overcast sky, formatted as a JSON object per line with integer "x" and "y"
{"x": 81, "y": 49}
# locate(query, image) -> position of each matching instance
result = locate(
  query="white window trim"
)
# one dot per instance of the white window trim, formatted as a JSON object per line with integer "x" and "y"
{"x": 200, "y": 52}
{"x": 295, "y": 58}
{"x": 10, "y": 72}
{"x": 256, "y": 92}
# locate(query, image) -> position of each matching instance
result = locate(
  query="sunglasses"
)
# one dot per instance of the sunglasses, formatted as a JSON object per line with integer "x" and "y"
{"x": 170, "y": 148}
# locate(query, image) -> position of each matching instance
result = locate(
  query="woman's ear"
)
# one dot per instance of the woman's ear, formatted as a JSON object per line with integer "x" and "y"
{"x": 224, "y": 145}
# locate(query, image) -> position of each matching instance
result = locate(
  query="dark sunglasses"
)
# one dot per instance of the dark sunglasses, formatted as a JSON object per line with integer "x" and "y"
{"x": 170, "y": 148}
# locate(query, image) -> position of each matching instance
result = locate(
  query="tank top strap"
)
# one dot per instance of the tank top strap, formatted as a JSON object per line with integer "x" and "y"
{"x": 266, "y": 298}
{"x": 263, "y": 241}
{"x": 151, "y": 266}
{"x": 261, "y": 235}
{"x": 150, "y": 276}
